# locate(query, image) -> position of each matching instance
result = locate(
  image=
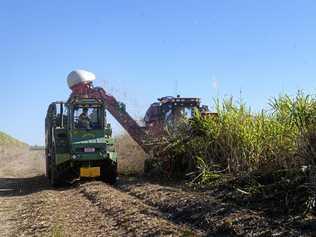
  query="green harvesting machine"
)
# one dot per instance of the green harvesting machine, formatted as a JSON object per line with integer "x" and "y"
{"x": 78, "y": 139}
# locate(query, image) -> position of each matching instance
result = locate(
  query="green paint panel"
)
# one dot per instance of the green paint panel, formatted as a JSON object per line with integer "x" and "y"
{"x": 80, "y": 135}
{"x": 89, "y": 156}
{"x": 61, "y": 158}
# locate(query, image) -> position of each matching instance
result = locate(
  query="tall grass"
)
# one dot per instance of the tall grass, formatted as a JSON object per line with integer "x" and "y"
{"x": 239, "y": 140}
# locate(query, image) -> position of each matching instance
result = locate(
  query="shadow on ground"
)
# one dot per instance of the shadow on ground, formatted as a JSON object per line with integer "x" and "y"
{"x": 23, "y": 186}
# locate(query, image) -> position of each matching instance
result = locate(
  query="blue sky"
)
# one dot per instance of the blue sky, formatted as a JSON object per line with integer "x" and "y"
{"x": 142, "y": 50}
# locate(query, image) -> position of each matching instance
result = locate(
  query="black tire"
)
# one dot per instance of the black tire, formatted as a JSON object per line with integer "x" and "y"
{"x": 109, "y": 172}
{"x": 54, "y": 180}
{"x": 53, "y": 171}
{"x": 48, "y": 169}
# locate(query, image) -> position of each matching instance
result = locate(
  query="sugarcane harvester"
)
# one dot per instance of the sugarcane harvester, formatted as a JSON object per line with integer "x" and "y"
{"x": 166, "y": 112}
{"x": 86, "y": 148}
{"x": 161, "y": 117}
{"x": 78, "y": 139}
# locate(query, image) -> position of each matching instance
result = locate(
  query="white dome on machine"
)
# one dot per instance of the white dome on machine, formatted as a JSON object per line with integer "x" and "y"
{"x": 80, "y": 76}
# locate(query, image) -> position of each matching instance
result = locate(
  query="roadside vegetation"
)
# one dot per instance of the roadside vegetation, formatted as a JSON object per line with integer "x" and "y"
{"x": 266, "y": 154}
{"x": 282, "y": 137}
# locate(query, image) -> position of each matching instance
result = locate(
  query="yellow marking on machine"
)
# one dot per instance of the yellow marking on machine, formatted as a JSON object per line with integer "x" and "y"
{"x": 90, "y": 171}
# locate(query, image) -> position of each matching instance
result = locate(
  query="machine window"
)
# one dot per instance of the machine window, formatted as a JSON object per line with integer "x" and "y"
{"x": 87, "y": 118}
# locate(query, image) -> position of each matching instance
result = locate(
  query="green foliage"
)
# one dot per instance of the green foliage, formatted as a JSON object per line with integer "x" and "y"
{"x": 206, "y": 174}
{"x": 240, "y": 140}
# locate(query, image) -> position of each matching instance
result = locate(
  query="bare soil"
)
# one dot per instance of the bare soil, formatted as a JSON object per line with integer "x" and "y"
{"x": 30, "y": 207}
{"x": 135, "y": 206}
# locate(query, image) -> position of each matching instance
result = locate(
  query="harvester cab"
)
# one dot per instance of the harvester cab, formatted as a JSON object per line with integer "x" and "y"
{"x": 88, "y": 114}
{"x": 168, "y": 111}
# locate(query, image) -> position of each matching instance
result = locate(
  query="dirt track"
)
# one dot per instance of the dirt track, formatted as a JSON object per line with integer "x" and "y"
{"x": 29, "y": 207}
{"x": 134, "y": 207}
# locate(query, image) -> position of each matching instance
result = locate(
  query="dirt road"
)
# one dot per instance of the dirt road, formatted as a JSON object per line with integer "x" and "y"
{"x": 133, "y": 207}
{"x": 29, "y": 207}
